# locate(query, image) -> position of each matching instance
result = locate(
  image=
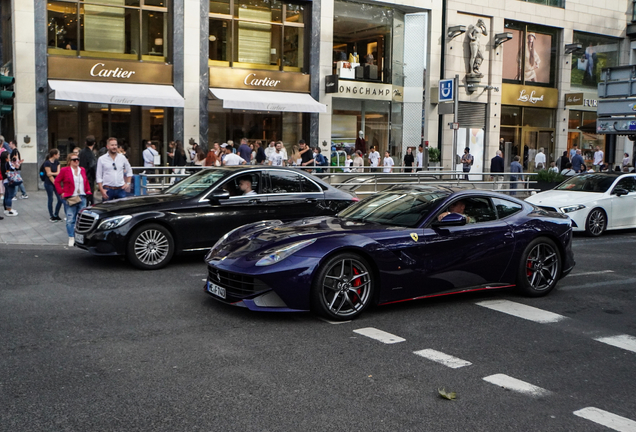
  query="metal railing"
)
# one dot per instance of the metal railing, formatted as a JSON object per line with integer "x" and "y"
{"x": 371, "y": 181}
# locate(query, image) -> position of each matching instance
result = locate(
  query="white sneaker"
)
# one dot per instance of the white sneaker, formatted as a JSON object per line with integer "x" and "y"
{"x": 71, "y": 241}
{"x": 15, "y": 198}
{"x": 11, "y": 213}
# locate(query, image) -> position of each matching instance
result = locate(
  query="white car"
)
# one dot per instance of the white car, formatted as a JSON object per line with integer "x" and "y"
{"x": 594, "y": 201}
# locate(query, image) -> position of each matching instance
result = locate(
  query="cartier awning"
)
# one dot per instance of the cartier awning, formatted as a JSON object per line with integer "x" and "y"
{"x": 116, "y": 93}
{"x": 260, "y": 100}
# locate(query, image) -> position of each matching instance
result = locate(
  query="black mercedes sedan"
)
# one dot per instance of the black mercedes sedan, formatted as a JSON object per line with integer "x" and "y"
{"x": 194, "y": 213}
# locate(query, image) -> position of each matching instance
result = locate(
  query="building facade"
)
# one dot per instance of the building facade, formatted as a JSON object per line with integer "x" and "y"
{"x": 340, "y": 74}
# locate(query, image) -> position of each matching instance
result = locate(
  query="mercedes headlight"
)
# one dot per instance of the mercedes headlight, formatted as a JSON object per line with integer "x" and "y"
{"x": 113, "y": 222}
{"x": 273, "y": 256}
{"x": 572, "y": 208}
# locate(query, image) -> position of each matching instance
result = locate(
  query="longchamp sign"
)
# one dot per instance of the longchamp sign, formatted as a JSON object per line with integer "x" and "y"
{"x": 524, "y": 95}
{"x": 104, "y": 70}
{"x": 246, "y": 79}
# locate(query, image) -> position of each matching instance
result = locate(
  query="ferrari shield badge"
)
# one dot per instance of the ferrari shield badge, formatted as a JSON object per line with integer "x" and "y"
{"x": 414, "y": 236}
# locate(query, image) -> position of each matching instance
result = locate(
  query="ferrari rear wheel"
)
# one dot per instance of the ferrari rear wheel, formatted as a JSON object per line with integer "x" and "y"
{"x": 540, "y": 267}
{"x": 343, "y": 287}
{"x": 596, "y": 223}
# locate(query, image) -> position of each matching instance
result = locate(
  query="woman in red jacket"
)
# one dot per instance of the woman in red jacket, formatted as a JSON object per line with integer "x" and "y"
{"x": 72, "y": 185}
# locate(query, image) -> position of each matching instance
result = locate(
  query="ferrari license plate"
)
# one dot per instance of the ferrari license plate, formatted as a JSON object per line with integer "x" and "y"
{"x": 79, "y": 238}
{"x": 216, "y": 290}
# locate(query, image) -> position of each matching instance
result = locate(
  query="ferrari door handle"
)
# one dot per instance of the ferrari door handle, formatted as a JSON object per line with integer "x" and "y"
{"x": 509, "y": 235}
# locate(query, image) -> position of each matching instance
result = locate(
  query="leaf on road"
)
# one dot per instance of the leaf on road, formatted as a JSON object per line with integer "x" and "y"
{"x": 446, "y": 395}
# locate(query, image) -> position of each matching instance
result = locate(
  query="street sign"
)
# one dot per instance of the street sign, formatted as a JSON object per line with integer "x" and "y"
{"x": 446, "y": 90}
{"x": 454, "y": 125}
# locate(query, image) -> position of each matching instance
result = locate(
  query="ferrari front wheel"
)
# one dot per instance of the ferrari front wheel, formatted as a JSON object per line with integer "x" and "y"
{"x": 540, "y": 267}
{"x": 343, "y": 287}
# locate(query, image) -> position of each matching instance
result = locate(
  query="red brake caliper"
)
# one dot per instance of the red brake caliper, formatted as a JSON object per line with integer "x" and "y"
{"x": 529, "y": 267}
{"x": 357, "y": 282}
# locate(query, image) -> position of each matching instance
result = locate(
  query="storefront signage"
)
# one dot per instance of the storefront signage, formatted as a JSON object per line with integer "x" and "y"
{"x": 225, "y": 77}
{"x": 584, "y": 101}
{"x": 364, "y": 90}
{"x": 103, "y": 70}
{"x": 542, "y": 97}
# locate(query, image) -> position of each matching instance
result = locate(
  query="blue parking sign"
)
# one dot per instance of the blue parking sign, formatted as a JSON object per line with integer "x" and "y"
{"x": 446, "y": 90}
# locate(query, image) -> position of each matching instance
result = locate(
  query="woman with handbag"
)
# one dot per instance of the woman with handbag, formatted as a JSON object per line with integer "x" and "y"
{"x": 72, "y": 185}
{"x": 11, "y": 181}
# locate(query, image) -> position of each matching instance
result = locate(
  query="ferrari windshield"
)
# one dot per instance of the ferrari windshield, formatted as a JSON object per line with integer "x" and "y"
{"x": 406, "y": 209}
{"x": 196, "y": 184}
{"x": 592, "y": 182}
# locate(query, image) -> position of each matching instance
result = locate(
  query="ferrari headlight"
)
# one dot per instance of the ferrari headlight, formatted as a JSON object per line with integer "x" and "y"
{"x": 113, "y": 222}
{"x": 570, "y": 209}
{"x": 273, "y": 256}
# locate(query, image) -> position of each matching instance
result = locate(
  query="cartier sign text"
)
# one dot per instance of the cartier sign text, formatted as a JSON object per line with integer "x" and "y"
{"x": 263, "y": 82}
{"x": 99, "y": 70}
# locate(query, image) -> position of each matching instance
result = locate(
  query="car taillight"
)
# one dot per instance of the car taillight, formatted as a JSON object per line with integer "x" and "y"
{"x": 355, "y": 199}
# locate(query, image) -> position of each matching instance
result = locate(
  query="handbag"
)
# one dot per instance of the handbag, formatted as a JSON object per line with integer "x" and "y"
{"x": 14, "y": 178}
{"x": 73, "y": 200}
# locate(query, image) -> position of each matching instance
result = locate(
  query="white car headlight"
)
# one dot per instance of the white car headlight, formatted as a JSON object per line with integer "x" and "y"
{"x": 273, "y": 256}
{"x": 113, "y": 222}
{"x": 572, "y": 208}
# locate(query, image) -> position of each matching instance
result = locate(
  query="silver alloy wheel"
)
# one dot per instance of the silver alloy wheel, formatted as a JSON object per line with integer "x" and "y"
{"x": 542, "y": 266}
{"x": 346, "y": 288}
{"x": 151, "y": 247}
{"x": 596, "y": 222}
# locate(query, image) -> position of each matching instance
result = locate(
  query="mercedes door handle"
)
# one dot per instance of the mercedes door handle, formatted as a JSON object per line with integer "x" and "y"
{"x": 311, "y": 200}
{"x": 509, "y": 235}
{"x": 255, "y": 201}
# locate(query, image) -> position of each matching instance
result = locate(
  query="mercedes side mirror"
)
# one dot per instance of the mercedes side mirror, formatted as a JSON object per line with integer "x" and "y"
{"x": 220, "y": 194}
{"x": 620, "y": 191}
{"x": 451, "y": 219}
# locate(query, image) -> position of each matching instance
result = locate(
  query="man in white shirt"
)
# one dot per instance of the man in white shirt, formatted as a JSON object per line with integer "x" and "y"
{"x": 598, "y": 159}
{"x": 232, "y": 159}
{"x": 277, "y": 158}
{"x": 245, "y": 184}
{"x": 374, "y": 157}
{"x": 420, "y": 158}
{"x": 271, "y": 149}
{"x": 113, "y": 173}
{"x": 539, "y": 159}
{"x": 388, "y": 162}
{"x": 149, "y": 155}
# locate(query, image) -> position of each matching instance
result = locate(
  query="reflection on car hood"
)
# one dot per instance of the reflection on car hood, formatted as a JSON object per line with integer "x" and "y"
{"x": 138, "y": 204}
{"x": 558, "y": 198}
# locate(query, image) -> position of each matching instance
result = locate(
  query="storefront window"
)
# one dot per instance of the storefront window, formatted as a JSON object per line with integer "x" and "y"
{"x": 362, "y": 41}
{"x": 371, "y": 117}
{"x": 529, "y": 57}
{"x": 257, "y": 34}
{"x": 582, "y": 132}
{"x": 598, "y": 52}
{"x": 134, "y": 29}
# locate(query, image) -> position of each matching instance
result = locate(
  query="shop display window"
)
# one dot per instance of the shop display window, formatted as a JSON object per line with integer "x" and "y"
{"x": 530, "y": 56}
{"x": 362, "y": 37}
{"x": 133, "y": 30}
{"x": 598, "y": 52}
{"x": 257, "y": 34}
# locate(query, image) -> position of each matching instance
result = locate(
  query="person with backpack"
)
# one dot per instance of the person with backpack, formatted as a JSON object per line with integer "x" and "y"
{"x": 319, "y": 160}
{"x": 48, "y": 171}
{"x": 467, "y": 162}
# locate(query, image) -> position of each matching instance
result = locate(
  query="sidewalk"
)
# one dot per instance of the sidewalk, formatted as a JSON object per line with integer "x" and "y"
{"x": 32, "y": 225}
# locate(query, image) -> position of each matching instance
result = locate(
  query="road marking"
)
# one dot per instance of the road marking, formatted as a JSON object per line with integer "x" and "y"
{"x": 514, "y": 384}
{"x": 611, "y": 283}
{"x": 591, "y": 273}
{"x": 440, "y": 357}
{"x": 522, "y": 311}
{"x": 379, "y": 335}
{"x": 623, "y": 341}
{"x": 607, "y": 419}
{"x": 333, "y": 322}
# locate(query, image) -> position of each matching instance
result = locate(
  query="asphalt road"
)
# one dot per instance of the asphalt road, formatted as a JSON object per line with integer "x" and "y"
{"x": 91, "y": 344}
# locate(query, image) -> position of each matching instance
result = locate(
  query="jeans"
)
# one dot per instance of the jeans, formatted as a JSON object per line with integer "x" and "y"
{"x": 466, "y": 170}
{"x": 513, "y": 184}
{"x": 50, "y": 192}
{"x": 112, "y": 194}
{"x": 22, "y": 189}
{"x": 71, "y": 214}
{"x": 9, "y": 193}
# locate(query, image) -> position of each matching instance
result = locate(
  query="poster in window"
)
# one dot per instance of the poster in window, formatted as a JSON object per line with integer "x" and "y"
{"x": 511, "y": 50}
{"x": 536, "y": 62}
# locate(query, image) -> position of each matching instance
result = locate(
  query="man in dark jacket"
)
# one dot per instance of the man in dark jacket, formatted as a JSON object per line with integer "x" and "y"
{"x": 88, "y": 161}
{"x": 497, "y": 166}
{"x": 260, "y": 153}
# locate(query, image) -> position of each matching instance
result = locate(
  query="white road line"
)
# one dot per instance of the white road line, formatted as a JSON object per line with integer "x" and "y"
{"x": 624, "y": 341}
{"x": 514, "y": 384}
{"x": 333, "y": 322}
{"x": 591, "y": 273}
{"x": 440, "y": 357}
{"x": 521, "y": 311}
{"x": 607, "y": 419}
{"x": 379, "y": 335}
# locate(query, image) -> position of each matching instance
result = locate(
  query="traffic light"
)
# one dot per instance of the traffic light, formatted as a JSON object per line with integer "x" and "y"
{"x": 6, "y": 95}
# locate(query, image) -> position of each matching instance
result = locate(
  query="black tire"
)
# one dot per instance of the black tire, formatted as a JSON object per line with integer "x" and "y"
{"x": 343, "y": 287}
{"x": 150, "y": 247}
{"x": 595, "y": 223}
{"x": 540, "y": 267}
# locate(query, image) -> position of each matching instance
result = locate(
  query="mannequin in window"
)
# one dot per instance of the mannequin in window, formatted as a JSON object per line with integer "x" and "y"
{"x": 361, "y": 144}
{"x": 354, "y": 58}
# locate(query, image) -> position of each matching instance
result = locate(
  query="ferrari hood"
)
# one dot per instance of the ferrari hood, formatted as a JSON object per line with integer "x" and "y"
{"x": 558, "y": 198}
{"x": 318, "y": 226}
